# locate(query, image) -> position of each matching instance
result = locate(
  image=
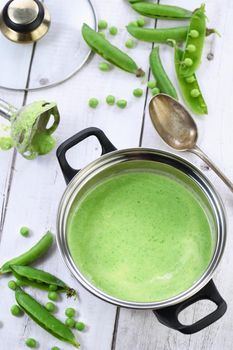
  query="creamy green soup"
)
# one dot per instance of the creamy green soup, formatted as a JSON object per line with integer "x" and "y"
{"x": 140, "y": 237}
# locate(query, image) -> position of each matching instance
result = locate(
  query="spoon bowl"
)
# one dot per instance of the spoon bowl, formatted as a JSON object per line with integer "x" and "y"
{"x": 173, "y": 122}
{"x": 177, "y": 128}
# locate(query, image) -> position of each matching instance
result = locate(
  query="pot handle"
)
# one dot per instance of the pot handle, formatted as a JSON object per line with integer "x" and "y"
{"x": 169, "y": 316}
{"x": 67, "y": 170}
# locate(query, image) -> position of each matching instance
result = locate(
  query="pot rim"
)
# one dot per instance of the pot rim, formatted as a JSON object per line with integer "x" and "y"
{"x": 107, "y": 160}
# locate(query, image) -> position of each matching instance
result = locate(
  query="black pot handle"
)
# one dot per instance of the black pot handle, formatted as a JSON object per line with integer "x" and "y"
{"x": 67, "y": 170}
{"x": 169, "y": 315}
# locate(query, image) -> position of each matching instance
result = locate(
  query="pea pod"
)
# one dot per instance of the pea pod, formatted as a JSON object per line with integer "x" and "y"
{"x": 162, "y": 35}
{"x": 109, "y": 52}
{"x": 158, "y": 11}
{"x": 194, "y": 43}
{"x": 31, "y": 255}
{"x": 188, "y": 85}
{"x": 163, "y": 82}
{"x": 30, "y": 276}
{"x": 44, "y": 318}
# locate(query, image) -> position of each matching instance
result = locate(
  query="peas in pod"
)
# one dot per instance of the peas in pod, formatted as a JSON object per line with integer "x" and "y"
{"x": 190, "y": 88}
{"x": 191, "y": 58}
{"x": 36, "y": 278}
{"x": 44, "y": 318}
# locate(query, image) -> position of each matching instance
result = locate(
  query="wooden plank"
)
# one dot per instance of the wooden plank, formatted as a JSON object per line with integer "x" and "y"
{"x": 38, "y": 185}
{"x": 140, "y": 329}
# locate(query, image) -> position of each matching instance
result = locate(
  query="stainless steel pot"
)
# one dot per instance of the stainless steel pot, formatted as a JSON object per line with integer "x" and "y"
{"x": 114, "y": 162}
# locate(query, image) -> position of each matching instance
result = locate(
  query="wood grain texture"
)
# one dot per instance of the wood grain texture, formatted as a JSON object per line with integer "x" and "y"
{"x": 37, "y": 186}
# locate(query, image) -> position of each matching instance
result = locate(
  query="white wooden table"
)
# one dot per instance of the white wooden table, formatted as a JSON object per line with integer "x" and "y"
{"x": 30, "y": 190}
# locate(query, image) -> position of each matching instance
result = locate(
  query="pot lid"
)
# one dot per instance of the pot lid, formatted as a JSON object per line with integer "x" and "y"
{"x": 41, "y": 42}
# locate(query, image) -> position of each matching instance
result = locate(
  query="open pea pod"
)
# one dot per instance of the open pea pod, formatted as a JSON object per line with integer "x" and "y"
{"x": 36, "y": 278}
{"x": 194, "y": 45}
{"x": 189, "y": 87}
{"x": 44, "y": 318}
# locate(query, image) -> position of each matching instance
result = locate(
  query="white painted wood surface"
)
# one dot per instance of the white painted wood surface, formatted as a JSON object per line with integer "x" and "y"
{"x": 30, "y": 190}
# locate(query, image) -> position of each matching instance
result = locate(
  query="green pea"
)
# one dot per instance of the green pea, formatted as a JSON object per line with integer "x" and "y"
{"x": 51, "y": 307}
{"x": 194, "y": 33}
{"x": 110, "y": 99}
{"x": 130, "y": 44}
{"x": 93, "y": 102}
{"x": 104, "y": 66}
{"x": 70, "y": 322}
{"x": 155, "y": 91}
{"x": 133, "y": 24}
{"x": 121, "y": 104}
{"x": 12, "y": 285}
{"x": 190, "y": 80}
{"x": 20, "y": 283}
{"x": 31, "y": 343}
{"x": 55, "y": 348}
{"x": 53, "y": 296}
{"x": 24, "y": 231}
{"x": 137, "y": 92}
{"x": 151, "y": 84}
{"x": 16, "y": 311}
{"x": 52, "y": 287}
{"x": 70, "y": 312}
{"x": 102, "y": 24}
{"x": 188, "y": 62}
{"x": 113, "y": 30}
{"x": 141, "y": 22}
{"x": 80, "y": 326}
{"x": 195, "y": 93}
{"x": 191, "y": 48}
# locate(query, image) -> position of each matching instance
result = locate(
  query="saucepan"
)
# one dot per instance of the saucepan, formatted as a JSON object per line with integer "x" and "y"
{"x": 113, "y": 162}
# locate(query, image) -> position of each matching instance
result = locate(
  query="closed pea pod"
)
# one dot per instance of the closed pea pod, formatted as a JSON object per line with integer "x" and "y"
{"x": 190, "y": 88}
{"x": 31, "y": 255}
{"x": 134, "y": 1}
{"x": 109, "y": 52}
{"x": 162, "y": 35}
{"x": 43, "y": 318}
{"x": 40, "y": 279}
{"x": 191, "y": 58}
{"x": 163, "y": 82}
{"x": 158, "y": 11}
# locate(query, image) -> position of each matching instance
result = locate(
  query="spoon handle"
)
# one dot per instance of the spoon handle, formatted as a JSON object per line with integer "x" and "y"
{"x": 196, "y": 150}
{"x": 6, "y": 109}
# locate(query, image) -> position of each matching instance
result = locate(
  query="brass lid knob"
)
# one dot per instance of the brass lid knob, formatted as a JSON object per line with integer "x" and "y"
{"x": 24, "y": 20}
{"x": 23, "y": 12}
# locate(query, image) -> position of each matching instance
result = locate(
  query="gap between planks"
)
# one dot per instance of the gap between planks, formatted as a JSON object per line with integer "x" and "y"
{"x": 9, "y": 179}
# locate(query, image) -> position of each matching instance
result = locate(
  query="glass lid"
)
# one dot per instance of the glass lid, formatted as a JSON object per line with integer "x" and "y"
{"x": 57, "y": 56}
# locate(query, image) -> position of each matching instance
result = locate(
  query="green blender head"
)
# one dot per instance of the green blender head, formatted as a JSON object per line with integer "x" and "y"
{"x": 30, "y": 129}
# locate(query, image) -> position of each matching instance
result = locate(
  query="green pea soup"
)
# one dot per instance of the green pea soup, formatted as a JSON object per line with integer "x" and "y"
{"x": 140, "y": 236}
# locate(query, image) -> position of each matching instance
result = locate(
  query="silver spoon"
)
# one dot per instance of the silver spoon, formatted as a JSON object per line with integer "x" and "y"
{"x": 178, "y": 129}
